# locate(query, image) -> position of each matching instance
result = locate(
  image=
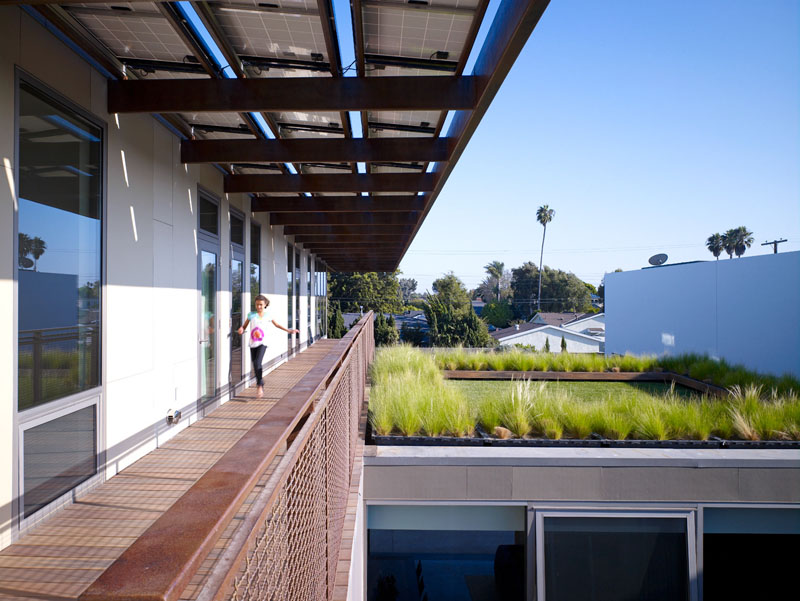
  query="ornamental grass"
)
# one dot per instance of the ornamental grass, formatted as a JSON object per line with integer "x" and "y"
{"x": 409, "y": 396}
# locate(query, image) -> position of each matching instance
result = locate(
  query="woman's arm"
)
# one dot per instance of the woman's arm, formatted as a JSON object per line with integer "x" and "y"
{"x": 287, "y": 330}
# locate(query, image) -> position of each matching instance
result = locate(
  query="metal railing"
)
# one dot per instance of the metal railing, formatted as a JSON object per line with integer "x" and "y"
{"x": 287, "y": 544}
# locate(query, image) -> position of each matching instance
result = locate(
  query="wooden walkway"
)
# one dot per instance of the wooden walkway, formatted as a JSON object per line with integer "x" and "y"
{"x": 63, "y": 555}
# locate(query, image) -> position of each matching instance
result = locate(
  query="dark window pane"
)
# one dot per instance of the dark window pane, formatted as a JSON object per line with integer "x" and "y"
{"x": 607, "y": 559}
{"x": 209, "y": 219}
{"x": 290, "y": 285}
{"x": 59, "y": 262}
{"x": 237, "y": 230}
{"x": 58, "y": 455}
{"x": 255, "y": 244}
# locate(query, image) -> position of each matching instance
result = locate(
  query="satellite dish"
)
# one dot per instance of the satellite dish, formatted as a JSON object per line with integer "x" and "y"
{"x": 658, "y": 259}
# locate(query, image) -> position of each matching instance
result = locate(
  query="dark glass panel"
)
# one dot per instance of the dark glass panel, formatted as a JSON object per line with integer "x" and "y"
{"x": 290, "y": 285}
{"x": 237, "y": 289}
{"x": 208, "y": 363}
{"x": 255, "y": 244}
{"x": 59, "y": 262}
{"x": 237, "y": 230}
{"x": 255, "y": 264}
{"x": 209, "y": 216}
{"x": 610, "y": 558}
{"x": 58, "y": 455}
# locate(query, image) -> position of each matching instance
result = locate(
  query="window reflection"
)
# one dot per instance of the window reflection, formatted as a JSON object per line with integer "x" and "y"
{"x": 59, "y": 258}
{"x": 255, "y": 263}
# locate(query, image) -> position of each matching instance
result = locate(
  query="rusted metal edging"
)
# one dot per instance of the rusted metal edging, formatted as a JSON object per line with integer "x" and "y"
{"x": 588, "y": 376}
{"x": 162, "y": 561}
{"x": 226, "y": 566}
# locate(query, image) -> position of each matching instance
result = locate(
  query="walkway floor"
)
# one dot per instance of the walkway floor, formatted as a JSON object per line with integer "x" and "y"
{"x": 63, "y": 555}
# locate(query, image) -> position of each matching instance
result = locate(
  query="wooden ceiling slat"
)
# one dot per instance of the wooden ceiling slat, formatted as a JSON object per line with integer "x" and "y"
{"x": 311, "y": 150}
{"x": 311, "y": 231}
{"x": 418, "y": 93}
{"x": 372, "y": 219}
{"x": 360, "y": 182}
{"x": 337, "y": 204}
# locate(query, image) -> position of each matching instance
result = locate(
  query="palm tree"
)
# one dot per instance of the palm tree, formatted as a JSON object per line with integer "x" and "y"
{"x": 544, "y": 215}
{"x": 24, "y": 249}
{"x": 495, "y": 270}
{"x": 38, "y": 246}
{"x": 744, "y": 240}
{"x": 715, "y": 245}
{"x": 729, "y": 242}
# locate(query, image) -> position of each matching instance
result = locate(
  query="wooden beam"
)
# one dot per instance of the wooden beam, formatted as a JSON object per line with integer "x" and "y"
{"x": 310, "y": 231}
{"x": 336, "y": 204}
{"x": 309, "y": 94}
{"x": 360, "y": 182}
{"x": 351, "y": 239}
{"x": 311, "y": 150}
{"x": 376, "y": 219}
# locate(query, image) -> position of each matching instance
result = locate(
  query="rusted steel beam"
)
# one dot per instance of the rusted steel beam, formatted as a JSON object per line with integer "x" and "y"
{"x": 350, "y": 239}
{"x": 419, "y": 93}
{"x": 378, "y": 182}
{"x": 336, "y": 204}
{"x": 376, "y": 219}
{"x": 310, "y": 150}
{"x": 312, "y": 231}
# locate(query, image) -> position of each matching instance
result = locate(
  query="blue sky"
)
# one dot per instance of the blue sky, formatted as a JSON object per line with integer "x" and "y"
{"x": 647, "y": 126}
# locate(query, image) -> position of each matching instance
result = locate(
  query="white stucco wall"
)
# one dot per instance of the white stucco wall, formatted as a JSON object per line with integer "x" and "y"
{"x": 744, "y": 310}
{"x": 150, "y": 294}
{"x": 575, "y": 344}
{"x": 597, "y": 321}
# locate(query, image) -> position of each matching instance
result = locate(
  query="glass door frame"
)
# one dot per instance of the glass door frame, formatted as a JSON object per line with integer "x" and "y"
{"x": 237, "y": 255}
{"x": 208, "y": 242}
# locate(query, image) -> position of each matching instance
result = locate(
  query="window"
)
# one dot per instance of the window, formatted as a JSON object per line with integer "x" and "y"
{"x": 59, "y": 293}
{"x": 749, "y": 553}
{"x": 446, "y": 552}
{"x": 309, "y": 277}
{"x": 59, "y": 265}
{"x": 208, "y": 220}
{"x": 289, "y": 286}
{"x": 237, "y": 229}
{"x": 255, "y": 263}
{"x": 608, "y": 556}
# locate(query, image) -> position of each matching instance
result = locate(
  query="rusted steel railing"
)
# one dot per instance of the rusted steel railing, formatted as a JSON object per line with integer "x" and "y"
{"x": 287, "y": 545}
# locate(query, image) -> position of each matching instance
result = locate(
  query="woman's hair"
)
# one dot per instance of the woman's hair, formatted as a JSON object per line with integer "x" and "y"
{"x": 261, "y": 297}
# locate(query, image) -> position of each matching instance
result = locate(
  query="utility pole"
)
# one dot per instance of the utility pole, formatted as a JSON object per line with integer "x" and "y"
{"x": 775, "y": 245}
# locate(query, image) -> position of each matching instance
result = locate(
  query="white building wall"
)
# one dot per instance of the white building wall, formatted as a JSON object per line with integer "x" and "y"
{"x": 150, "y": 295}
{"x": 575, "y": 344}
{"x": 598, "y": 321}
{"x": 744, "y": 310}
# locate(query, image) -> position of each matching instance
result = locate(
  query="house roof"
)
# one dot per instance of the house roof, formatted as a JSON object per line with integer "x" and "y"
{"x": 260, "y": 90}
{"x": 511, "y": 333}
{"x": 560, "y": 319}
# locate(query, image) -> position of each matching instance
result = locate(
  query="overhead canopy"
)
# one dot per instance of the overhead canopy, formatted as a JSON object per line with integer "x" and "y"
{"x": 276, "y": 112}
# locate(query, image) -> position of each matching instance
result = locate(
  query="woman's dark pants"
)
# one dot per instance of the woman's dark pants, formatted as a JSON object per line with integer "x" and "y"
{"x": 257, "y": 355}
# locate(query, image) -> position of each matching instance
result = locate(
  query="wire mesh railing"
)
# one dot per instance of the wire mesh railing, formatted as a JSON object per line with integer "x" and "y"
{"x": 290, "y": 548}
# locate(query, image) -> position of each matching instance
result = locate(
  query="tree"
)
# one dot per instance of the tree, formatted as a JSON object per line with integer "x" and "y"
{"x": 412, "y": 334}
{"x": 729, "y": 242}
{"x": 544, "y": 215}
{"x": 497, "y": 313}
{"x": 408, "y": 287}
{"x": 385, "y": 332}
{"x": 715, "y": 245}
{"x": 451, "y": 290}
{"x": 24, "y": 249}
{"x": 336, "y": 327}
{"x": 563, "y": 344}
{"x": 451, "y": 319}
{"x": 561, "y": 291}
{"x": 744, "y": 240}
{"x": 370, "y": 291}
{"x": 38, "y": 246}
{"x": 487, "y": 290}
{"x": 495, "y": 272}
{"x": 546, "y": 345}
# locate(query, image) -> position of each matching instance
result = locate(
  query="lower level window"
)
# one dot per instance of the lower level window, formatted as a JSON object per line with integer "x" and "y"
{"x": 58, "y": 455}
{"x": 445, "y": 553}
{"x": 610, "y": 557}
